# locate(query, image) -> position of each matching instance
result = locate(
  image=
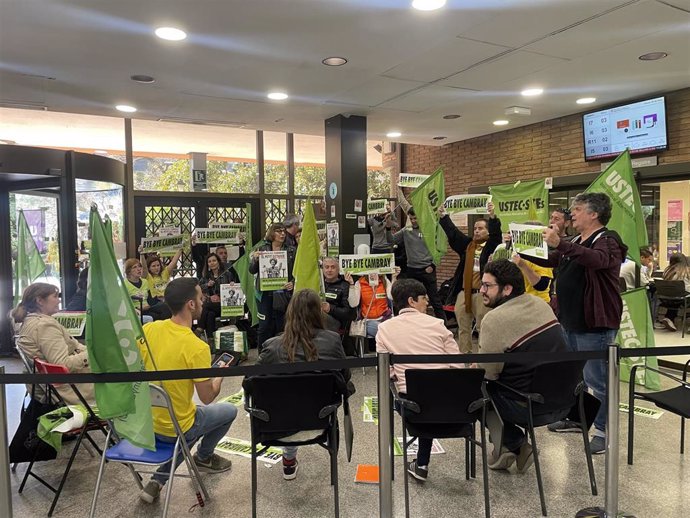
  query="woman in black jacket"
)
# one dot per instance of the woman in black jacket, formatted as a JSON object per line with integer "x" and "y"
{"x": 213, "y": 275}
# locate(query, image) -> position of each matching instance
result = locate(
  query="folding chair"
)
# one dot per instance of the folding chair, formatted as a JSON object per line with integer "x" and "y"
{"x": 556, "y": 388}
{"x": 441, "y": 404}
{"x": 675, "y": 400}
{"x": 279, "y": 406}
{"x": 126, "y": 453}
{"x": 672, "y": 294}
{"x": 93, "y": 423}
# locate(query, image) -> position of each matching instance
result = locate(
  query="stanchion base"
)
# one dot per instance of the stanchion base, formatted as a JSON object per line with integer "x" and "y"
{"x": 599, "y": 512}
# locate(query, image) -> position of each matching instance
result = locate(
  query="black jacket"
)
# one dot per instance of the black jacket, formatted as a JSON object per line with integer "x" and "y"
{"x": 459, "y": 242}
{"x": 336, "y": 295}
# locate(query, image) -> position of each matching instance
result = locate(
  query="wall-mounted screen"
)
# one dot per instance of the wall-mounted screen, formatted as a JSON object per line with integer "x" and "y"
{"x": 639, "y": 126}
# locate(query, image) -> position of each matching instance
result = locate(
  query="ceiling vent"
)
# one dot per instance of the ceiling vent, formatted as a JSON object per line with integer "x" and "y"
{"x": 518, "y": 110}
{"x": 203, "y": 122}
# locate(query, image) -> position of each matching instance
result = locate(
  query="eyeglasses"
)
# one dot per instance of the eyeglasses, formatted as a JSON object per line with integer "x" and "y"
{"x": 486, "y": 285}
{"x": 280, "y": 230}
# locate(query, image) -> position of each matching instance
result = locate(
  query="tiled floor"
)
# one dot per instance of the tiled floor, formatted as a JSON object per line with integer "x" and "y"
{"x": 657, "y": 486}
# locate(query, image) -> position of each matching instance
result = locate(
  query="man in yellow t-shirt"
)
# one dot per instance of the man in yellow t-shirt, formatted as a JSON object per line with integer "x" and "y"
{"x": 537, "y": 278}
{"x": 171, "y": 346}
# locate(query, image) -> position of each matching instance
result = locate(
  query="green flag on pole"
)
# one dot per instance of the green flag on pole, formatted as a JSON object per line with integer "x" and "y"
{"x": 521, "y": 201}
{"x": 306, "y": 270}
{"x": 426, "y": 199}
{"x": 113, "y": 334}
{"x": 29, "y": 265}
{"x": 637, "y": 331}
{"x": 626, "y": 210}
{"x": 241, "y": 267}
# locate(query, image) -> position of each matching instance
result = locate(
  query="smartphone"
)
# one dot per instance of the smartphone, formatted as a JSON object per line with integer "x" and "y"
{"x": 223, "y": 358}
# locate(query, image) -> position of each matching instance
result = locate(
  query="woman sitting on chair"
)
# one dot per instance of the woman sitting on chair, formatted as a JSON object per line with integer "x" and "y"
{"x": 678, "y": 269}
{"x": 304, "y": 339}
{"x": 213, "y": 276}
{"x": 42, "y": 337}
{"x": 371, "y": 294}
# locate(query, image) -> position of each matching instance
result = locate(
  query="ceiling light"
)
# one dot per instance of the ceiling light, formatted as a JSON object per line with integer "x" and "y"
{"x": 586, "y": 100}
{"x": 428, "y": 5}
{"x": 500, "y": 122}
{"x": 277, "y": 96}
{"x": 518, "y": 110}
{"x": 440, "y": 138}
{"x": 652, "y": 56}
{"x": 532, "y": 92}
{"x": 100, "y": 152}
{"x": 125, "y": 108}
{"x": 170, "y": 33}
{"x": 393, "y": 134}
{"x": 451, "y": 116}
{"x": 334, "y": 61}
{"x": 142, "y": 78}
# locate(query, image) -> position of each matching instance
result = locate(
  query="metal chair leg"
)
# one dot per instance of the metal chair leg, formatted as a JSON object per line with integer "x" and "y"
{"x": 334, "y": 468}
{"x": 171, "y": 477}
{"x": 253, "y": 478}
{"x": 405, "y": 474}
{"x": 631, "y": 420}
{"x": 537, "y": 468}
{"x": 467, "y": 458}
{"x": 101, "y": 468}
{"x": 485, "y": 470}
{"x": 585, "y": 440}
{"x": 64, "y": 475}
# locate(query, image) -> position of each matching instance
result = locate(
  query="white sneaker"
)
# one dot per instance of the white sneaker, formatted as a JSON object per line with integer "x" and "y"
{"x": 668, "y": 323}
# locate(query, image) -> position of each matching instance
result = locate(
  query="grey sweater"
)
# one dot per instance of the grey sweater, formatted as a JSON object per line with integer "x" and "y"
{"x": 418, "y": 255}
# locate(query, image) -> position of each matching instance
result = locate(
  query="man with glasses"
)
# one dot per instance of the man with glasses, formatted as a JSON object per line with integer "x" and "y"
{"x": 518, "y": 322}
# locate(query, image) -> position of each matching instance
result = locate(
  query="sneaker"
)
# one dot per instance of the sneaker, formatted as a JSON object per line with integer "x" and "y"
{"x": 597, "y": 445}
{"x": 564, "y": 426}
{"x": 525, "y": 458}
{"x": 215, "y": 464}
{"x": 290, "y": 469}
{"x": 503, "y": 460}
{"x": 419, "y": 472}
{"x": 668, "y": 324}
{"x": 150, "y": 492}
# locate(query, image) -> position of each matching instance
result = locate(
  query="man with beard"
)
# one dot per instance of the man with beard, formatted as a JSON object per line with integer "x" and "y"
{"x": 337, "y": 311}
{"x": 517, "y": 323}
{"x": 474, "y": 253}
{"x": 173, "y": 346}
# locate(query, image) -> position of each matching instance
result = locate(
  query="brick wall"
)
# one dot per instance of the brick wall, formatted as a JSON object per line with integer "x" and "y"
{"x": 549, "y": 148}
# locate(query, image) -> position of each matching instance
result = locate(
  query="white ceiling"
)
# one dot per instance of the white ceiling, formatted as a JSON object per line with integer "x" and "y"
{"x": 406, "y": 68}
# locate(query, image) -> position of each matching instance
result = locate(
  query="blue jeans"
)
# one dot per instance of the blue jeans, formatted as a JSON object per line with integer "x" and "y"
{"x": 211, "y": 423}
{"x": 595, "y": 370}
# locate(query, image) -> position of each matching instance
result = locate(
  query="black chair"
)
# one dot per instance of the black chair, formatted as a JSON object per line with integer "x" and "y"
{"x": 279, "y": 406}
{"x": 675, "y": 400}
{"x": 444, "y": 404}
{"x": 672, "y": 294}
{"x": 556, "y": 388}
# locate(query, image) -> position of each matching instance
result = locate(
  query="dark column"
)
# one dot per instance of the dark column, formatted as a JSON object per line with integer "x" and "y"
{"x": 290, "y": 152}
{"x": 67, "y": 217}
{"x": 6, "y": 301}
{"x": 128, "y": 193}
{"x": 346, "y": 174}
{"x": 261, "y": 215}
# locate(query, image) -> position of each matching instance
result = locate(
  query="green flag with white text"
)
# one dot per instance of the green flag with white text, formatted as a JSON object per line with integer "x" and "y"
{"x": 29, "y": 265}
{"x": 626, "y": 210}
{"x": 306, "y": 269}
{"x": 113, "y": 335}
{"x": 426, "y": 199}
{"x": 521, "y": 201}
{"x": 637, "y": 331}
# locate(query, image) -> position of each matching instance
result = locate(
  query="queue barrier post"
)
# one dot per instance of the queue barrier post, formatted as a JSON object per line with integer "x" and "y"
{"x": 5, "y": 484}
{"x": 385, "y": 421}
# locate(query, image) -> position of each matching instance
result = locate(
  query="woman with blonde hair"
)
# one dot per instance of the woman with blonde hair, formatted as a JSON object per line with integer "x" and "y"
{"x": 305, "y": 339}
{"x": 42, "y": 337}
{"x": 678, "y": 269}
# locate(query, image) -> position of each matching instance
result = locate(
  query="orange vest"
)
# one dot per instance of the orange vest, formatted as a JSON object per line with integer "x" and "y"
{"x": 380, "y": 304}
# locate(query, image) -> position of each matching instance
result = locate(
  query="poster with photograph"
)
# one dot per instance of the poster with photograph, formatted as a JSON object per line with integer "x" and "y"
{"x": 358, "y": 205}
{"x": 273, "y": 270}
{"x": 361, "y": 222}
{"x": 333, "y": 237}
{"x": 232, "y": 300}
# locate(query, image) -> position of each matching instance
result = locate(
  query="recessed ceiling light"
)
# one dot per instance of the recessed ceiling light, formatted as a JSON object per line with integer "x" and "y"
{"x": 500, "y": 122}
{"x": 334, "y": 61}
{"x": 125, "y": 108}
{"x": 532, "y": 92}
{"x": 440, "y": 138}
{"x": 277, "y": 96}
{"x": 170, "y": 33}
{"x": 142, "y": 78}
{"x": 428, "y": 5}
{"x": 586, "y": 100}
{"x": 652, "y": 56}
{"x": 452, "y": 116}
{"x": 393, "y": 134}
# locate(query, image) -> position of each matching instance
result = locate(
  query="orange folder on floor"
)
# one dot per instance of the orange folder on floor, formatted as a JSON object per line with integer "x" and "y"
{"x": 367, "y": 474}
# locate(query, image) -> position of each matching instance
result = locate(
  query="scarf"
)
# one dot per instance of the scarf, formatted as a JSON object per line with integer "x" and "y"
{"x": 467, "y": 275}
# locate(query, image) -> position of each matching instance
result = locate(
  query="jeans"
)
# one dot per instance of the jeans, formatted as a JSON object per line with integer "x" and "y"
{"x": 211, "y": 423}
{"x": 429, "y": 282}
{"x": 595, "y": 370}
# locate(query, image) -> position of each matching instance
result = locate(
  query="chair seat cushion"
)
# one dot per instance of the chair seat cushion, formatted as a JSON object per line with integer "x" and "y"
{"x": 676, "y": 400}
{"x": 124, "y": 451}
{"x": 439, "y": 430}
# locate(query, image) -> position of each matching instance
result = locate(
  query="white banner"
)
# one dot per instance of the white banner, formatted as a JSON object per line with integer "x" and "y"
{"x": 528, "y": 240}
{"x": 411, "y": 180}
{"x": 362, "y": 264}
{"x": 468, "y": 204}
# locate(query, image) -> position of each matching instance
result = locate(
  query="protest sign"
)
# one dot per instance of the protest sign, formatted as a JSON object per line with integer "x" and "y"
{"x": 528, "y": 240}
{"x": 377, "y": 207}
{"x": 436, "y": 447}
{"x": 370, "y": 409}
{"x": 333, "y": 236}
{"x": 273, "y": 274}
{"x": 230, "y": 340}
{"x": 168, "y": 230}
{"x": 162, "y": 244}
{"x": 272, "y": 455}
{"x": 467, "y": 204}
{"x": 411, "y": 180}
{"x": 357, "y": 264}
{"x": 72, "y": 321}
{"x": 521, "y": 201}
{"x": 217, "y": 235}
{"x": 236, "y": 399}
{"x": 228, "y": 224}
{"x": 232, "y": 300}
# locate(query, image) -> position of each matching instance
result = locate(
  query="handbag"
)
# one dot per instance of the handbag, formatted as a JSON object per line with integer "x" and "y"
{"x": 26, "y": 445}
{"x": 358, "y": 328}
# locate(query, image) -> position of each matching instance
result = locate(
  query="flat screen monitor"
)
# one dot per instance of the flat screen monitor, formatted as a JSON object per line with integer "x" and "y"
{"x": 639, "y": 126}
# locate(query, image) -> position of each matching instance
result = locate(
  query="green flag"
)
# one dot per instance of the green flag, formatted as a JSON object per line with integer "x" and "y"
{"x": 306, "y": 270}
{"x": 113, "y": 332}
{"x": 426, "y": 199}
{"x": 521, "y": 201}
{"x": 29, "y": 265}
{"x": 637, "y": 331}
{"x": 241, "y": 267}
{"x": 626, "y": 210}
